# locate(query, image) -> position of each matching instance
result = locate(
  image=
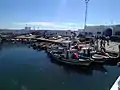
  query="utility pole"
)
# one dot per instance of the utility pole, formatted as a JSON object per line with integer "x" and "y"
{"x": 86, "y": 12}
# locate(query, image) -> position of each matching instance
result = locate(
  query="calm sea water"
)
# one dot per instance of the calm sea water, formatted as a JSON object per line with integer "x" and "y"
{"x": 22, "y": 68}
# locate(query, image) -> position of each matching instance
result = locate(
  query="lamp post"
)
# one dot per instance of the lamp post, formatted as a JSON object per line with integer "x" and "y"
{"x": 86, "y": 11}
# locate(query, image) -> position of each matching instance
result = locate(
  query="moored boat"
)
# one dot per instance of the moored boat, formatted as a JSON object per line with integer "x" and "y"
{"x": 105, "y": 57}
{"x": 67, "y": 59}
{"x": 99, "y": 58}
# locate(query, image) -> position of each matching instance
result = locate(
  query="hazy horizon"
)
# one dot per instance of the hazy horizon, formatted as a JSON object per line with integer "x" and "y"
{"x": 57, "y": 29}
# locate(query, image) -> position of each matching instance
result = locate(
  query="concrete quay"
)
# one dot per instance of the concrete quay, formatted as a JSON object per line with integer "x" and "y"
{"x": 25, "y": 37}
{"x": 33, "y": 37}
{"x": 48, "y": 40}
{"x": 113, "y": 47}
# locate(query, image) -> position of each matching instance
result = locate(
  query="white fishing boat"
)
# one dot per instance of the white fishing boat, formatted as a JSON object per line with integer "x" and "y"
{"x": 116, "y": 85}
{"x": 105, "y": 57}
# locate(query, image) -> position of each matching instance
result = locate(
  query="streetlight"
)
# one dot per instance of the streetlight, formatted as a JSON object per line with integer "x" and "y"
{"x": 86, "y": 3}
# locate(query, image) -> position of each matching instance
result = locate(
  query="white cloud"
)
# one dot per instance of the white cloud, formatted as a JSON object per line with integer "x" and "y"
{"x": 36, "y": 23}
{"x": 52, "y": 25}
{"x": 70, "y": 23}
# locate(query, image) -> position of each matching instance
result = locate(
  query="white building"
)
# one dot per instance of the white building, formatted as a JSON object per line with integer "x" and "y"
{"x": 95, "y": 29}
{"x": 116, "y": 28}
{"x": 98, "y": 29}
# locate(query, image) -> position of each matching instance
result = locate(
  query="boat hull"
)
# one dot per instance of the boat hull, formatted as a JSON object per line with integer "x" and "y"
{"x": 105, "y": 59}
{"x": 79, "y": 62}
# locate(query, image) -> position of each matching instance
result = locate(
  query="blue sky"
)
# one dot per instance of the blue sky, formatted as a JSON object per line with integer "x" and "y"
{"x": 57, "y": 14}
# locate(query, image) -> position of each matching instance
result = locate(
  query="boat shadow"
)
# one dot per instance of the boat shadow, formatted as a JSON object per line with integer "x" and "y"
{"x": 88, "y": 71}
{"x": 98, "y": 67}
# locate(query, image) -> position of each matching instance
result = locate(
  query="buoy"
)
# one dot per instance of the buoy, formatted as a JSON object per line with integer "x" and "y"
{"x": 118, "y": 64}
{"x": 106, "y": 73}
{"x": 63, "y": 83}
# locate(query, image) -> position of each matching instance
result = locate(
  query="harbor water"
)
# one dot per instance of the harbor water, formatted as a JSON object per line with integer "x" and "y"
{"x": 23, "y": 68}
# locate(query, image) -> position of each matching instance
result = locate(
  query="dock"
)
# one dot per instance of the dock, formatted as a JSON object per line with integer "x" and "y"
{"x": 25, "y": 37}
{"x": 113, "y": 47}
{"x": 33, "y": 37}
{"x": 48, "y": 40}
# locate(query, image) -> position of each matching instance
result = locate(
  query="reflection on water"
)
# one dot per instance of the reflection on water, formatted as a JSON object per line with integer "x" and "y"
{"x": 80, "y": 70}
{"x": 100, "y": 68}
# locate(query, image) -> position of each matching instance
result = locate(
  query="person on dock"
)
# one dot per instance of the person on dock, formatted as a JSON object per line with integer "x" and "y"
{"x": 104, "y": 43}
{"x": 108, "y": 39}
{"x": 67, "y": 55}
{"x": 88, "y": 52}
{"x": 96, "y": 42}
{"x": 92, "y": 42}
{"x": 96, "y": 47}
{"x": 101, "y": 43}
{"x": 103, "y": 49}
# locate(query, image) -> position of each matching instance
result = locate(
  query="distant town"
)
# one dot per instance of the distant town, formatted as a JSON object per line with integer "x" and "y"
{"x": 112, "y": 30}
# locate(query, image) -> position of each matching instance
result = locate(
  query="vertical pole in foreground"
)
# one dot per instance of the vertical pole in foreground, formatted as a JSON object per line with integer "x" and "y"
{"x": 86, "y": 11}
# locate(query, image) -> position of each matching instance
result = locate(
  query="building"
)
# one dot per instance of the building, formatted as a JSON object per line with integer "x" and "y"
{"x": 116, "y": 30}
{"x": 100, "y": 30}
{"x": 7, "y": 31}
{"x": 66, "y": 33}
{"x": 95, "y": 30}
{"x": 27, "y": 28}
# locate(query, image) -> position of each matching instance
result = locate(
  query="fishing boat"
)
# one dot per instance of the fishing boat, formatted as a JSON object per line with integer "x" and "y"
{"x": 105, "y": 57}
{"x": 99, "y": 57}
{"x": 113, "y": 59}
{"x": 96, "y": 57}
{"x": 85, "y": 52}
{"x": 67, "y": 58}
